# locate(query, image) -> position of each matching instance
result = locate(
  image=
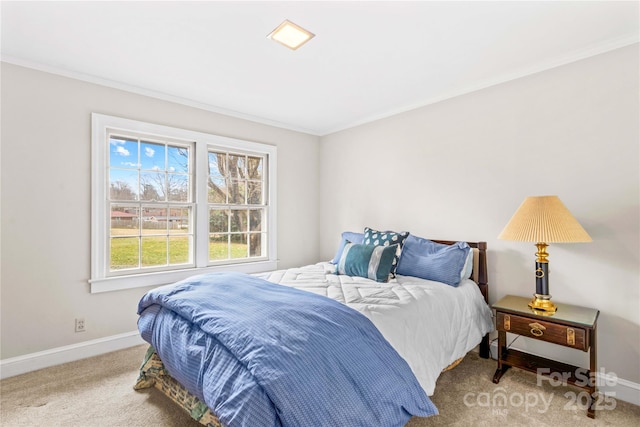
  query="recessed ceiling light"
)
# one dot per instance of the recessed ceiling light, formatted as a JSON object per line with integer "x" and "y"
{"x": 290, "y": 35}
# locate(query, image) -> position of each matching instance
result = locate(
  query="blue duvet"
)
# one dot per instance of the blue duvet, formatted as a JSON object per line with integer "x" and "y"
{"x": 262, "y": 354}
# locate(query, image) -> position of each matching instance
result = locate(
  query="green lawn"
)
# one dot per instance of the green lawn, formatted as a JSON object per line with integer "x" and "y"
{"x": 124, "y": 251}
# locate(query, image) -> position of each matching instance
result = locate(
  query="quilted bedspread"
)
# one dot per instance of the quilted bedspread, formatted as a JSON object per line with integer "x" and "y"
{"x": 261, "y": 354}
{"x": 430, "y": 324}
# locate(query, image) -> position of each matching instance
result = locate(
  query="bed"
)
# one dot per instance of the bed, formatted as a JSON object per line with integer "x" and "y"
{"x": 417, "y": 323}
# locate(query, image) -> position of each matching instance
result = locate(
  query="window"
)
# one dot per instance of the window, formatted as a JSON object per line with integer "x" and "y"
{"x": 168, "y": 203}
{"x": 236, "y": 206}
{"x": 150, "y": 203}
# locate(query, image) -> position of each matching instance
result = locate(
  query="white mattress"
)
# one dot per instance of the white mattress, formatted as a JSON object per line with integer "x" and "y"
{"x": 430, "y": 324}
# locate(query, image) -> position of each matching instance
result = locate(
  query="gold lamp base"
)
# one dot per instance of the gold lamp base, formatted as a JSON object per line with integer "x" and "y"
{"x": 541, "y": 304}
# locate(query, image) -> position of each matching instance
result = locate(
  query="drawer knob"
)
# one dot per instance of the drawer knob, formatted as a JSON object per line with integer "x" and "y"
{"x": 537, "y": 329}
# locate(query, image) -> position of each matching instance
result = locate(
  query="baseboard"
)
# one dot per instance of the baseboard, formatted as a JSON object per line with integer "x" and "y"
{"x": 69, "y": 353}
{"x": 619, "y": 388}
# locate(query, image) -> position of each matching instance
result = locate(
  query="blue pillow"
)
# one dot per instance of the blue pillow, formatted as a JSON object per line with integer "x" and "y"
{"x": 347, "y": 236}
{"x": 433, "y": 261}
{"x": 372, "y": 262}
{"x": 386, "y": 238}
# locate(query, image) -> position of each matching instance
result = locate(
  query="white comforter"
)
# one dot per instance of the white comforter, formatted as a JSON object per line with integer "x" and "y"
{"x": 430, "y": 324}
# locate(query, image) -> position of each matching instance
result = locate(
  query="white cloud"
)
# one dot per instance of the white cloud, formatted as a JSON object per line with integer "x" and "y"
{"x": 149, "y": 152}
{"x": 122, "y": 151}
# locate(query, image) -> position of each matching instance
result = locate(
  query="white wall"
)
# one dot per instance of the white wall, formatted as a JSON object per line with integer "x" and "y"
{"x": 46, "y": 206}
{"x": 457, "y": 169}
{"x": 460, "y": 168}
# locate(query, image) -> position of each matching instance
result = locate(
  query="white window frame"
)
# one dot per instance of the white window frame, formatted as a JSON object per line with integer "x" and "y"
{"x": 101, "y": 280}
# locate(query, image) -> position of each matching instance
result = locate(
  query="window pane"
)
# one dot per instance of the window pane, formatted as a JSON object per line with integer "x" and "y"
{"x": 123, "y": 184}
{"x": 123, "y": 152}
{"x": 239, "y": 245}
{"x": 218, "y": 247}
{"x": 153, "y": 186}
{"x": 255, "y": 220}
{"x": 254, "y": 193}
{"x": 239, "y": 221}
{"x": 255, "y": 244}
{"x": 217, "y": 165}
{"x": 237, "y": 190}
{"x": 237, "y": 166}
{"x": 124, "y": 253}
{"x": 178, "y": 158}
{"x": 152, "y": 156}
{"x": 154, "y": 220}
{"x": 179, "y": 249}
{"x": 254, "y": 168}
{"x": 124, "y": 221}
{"x": 217, "y": 190}
{"x": 179, "y": 221}
{"x": 178, "y": 188}
{"x": 218, "y": 221}
{"x": 154, "y": 251}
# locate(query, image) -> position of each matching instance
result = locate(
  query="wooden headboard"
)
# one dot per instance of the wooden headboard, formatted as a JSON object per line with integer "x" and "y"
{"x": 481, "y": 277}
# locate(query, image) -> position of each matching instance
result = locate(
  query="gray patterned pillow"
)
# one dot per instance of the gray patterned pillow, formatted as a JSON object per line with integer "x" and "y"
{"x": 386, "y": 238}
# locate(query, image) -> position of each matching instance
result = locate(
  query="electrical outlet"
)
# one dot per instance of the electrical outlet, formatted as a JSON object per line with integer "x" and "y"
{"x": 80, "y": 325}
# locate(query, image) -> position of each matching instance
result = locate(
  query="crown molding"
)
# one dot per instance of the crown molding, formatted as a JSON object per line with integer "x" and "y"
{"x": 590, "y": 51}
{"x": 578, "y": 55}
{"x": 151, "y": 93}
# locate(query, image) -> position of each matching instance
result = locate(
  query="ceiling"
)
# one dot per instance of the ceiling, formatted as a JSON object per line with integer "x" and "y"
{"x": 368, "y": 60}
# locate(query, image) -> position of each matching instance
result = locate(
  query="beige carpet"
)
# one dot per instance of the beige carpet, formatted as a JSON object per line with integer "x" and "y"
{"x": 98, "y": 392}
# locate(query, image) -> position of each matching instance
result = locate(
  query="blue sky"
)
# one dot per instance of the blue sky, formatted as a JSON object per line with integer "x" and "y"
{"x": 128, "y": 157}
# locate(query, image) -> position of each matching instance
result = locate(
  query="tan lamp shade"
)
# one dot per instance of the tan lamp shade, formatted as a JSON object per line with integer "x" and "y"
{"x": 544, "y": 219}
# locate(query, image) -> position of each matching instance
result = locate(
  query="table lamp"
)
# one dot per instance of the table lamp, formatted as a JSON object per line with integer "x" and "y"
{"x": 543, "y": 219}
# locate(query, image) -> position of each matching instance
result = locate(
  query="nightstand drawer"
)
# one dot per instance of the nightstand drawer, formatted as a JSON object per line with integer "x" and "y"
{"x": 568, "y": 336}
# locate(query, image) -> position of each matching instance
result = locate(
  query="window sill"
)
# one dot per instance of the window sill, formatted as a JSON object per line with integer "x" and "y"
{"x": 118, "y": 283}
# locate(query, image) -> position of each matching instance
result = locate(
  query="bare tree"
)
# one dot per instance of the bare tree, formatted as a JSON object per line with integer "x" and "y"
{"x": 149, "y": 190}
{"x": 120, "y": 190}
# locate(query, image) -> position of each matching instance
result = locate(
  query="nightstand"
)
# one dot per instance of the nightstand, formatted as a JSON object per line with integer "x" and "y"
{"x": 571, "y": 326}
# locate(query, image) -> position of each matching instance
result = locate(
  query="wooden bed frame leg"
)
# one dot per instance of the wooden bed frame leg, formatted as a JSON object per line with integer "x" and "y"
{"x": 483, "y": 284}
